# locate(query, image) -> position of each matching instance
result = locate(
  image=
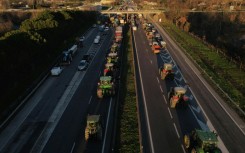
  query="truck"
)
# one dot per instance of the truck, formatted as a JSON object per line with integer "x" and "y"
{"x": 134, "y": 28}
{"x": 156, "y": 48}
{"x": 122, "y": 21}
{"x": 73, "y": 50}
{"x": 66, "y": 58}
{"x": 118, "y": 34}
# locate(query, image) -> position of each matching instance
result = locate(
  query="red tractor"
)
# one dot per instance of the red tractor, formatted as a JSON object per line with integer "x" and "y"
{"x": 166, "y": 71}
{"x": 177, "y": 96}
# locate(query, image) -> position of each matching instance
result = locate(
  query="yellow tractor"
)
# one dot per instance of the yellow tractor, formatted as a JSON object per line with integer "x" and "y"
{"x": 93, "y": 127}
{"x": 177, "y": 96}
{"x": 166, "y": 71}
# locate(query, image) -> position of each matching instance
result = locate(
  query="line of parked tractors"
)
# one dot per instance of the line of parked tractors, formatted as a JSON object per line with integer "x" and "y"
{"x": 106, "y": 86}
{"x": 198, "y": 141}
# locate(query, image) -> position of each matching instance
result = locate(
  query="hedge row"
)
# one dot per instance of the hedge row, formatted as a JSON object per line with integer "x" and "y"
{"x": 128, "y": 126}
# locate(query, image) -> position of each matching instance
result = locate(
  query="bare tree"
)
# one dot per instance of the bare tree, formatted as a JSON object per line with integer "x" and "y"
{"x": 4, "y": 4}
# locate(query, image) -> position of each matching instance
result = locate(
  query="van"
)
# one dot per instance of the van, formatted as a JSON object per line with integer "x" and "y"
{"x": 96, "y": 40}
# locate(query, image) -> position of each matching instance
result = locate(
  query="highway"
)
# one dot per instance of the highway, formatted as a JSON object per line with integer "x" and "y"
{"x": 219, "y": 116}
{"x": 54, "y": 118}
{"x": 166, "y": 126}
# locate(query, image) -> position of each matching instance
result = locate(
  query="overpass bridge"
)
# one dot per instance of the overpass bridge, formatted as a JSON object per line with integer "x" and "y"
{"x": 132, "y": 12}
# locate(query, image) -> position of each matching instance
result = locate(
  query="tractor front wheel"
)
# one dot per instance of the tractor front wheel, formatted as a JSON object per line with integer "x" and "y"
{"x": 186, "y": 141}
{"x": 172, "y": 103}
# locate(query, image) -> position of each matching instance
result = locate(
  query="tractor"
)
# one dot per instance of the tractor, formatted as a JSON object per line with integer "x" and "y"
{"x": 114, "y": 48}
{"x": 93, "y": 127}
{"x": 105, "y": 87}
{"x": 112, "y": 58}
{"x": 199, "y": 141}
{"x": 166, "y": 71}
{"x": 110, "y": 69}
{"x": 177, "y": 96}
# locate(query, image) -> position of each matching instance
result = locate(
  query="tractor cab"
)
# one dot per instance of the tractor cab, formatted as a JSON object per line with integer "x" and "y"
{"x": 177, "y": 95}
{"x": 202, "y": 141}
{"x": 114, "y": 48}
{"x": 112, "y": 57}
{"x": 105, "y": 87}
{"x": 93, "y": 127}
{"x": 166, "y": 71}
{"x": 105, "y": 80}
{"x": 109, "y": 68}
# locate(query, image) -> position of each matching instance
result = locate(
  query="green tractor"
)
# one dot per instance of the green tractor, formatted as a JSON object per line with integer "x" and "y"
{"x": 166, "y": 71}
{"x": 177, "y": 96}
{"x": 105, "y": 87}
{"x": 93, "y": 127}
{"x": 112, "y": 58}
{"x": 201, "y": 142}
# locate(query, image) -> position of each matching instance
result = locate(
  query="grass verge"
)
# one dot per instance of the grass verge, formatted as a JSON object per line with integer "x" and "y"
{"x": 128, "y": 137}
{"x": 215, "y": 67}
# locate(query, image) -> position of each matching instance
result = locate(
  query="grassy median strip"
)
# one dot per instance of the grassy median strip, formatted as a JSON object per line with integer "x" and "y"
{"x": 128, "y": 121}
{"x": 228, "y": 76}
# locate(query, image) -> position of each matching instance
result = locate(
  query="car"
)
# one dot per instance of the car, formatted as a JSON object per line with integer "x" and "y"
{"x": 81, "y": 39}
{"x": 106, "y": 28}
{"x": 96, "y": 41}
{"x": 87, "y": 58}
{"x": 82, "y": 65}
{"x": 55, "y": 71}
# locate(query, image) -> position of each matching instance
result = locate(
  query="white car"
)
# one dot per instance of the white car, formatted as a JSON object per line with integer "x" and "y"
{"x": 81, "y": 38}
{"x": 106, "y": 28}
{"x": 55, "y": 71}
{"x": 82, "y": 65}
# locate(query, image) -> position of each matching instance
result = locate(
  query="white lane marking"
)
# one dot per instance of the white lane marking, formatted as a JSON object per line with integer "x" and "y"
{"x": 221, "y": 144}
{"x": 170, "y": 113}
{"x": 165, "y": 99}
{"x": 158, "y": 80}
{"x": 57, "y": 113}
{"x": 107, "y": 122}
{"x": 176, "y": 130}
{"x": 90, "y": 100}
{"x": 151, "y": 61}
{"x": 144, "y": 99}
{"x": 183, "y": 148}
{"x": 72, "y": 147}
{"x": 161, "y": 89}
{"x": 59, "y": 110}
{"x": 202, "y": 125}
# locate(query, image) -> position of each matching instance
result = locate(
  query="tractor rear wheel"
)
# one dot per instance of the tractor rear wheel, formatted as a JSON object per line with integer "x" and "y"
{"x": 193, "y": 150}
{"x": 99, "y": 134}
{"x": 186, "y": 141}
{"x": 99, "y": 93}
{"x": 172, "y": 103}
{"x": 86, "y": 134}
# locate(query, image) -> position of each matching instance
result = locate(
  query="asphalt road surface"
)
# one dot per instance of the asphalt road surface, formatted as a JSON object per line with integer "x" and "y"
{"x": 166, "y": 126}
{"x": 54, "y": 118}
